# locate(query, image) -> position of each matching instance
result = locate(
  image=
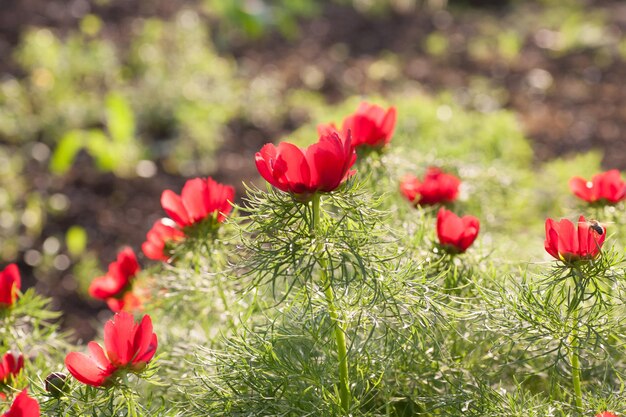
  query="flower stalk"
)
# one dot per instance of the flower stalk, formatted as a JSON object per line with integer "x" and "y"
{"x": 338, "y": 328}
{"x": 574, "y": 355}
{"x": 575, "y": 362}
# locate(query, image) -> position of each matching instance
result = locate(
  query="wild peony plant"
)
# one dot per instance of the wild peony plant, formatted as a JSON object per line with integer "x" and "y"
{"x": 335, "y": 306}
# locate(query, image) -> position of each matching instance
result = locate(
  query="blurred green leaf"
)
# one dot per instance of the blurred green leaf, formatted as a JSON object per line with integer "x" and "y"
{"x": 102, "y": 150}
{"x": 69, "y": 145}
{"x": 120, "y": 118}
{"x": 76, "y": 240}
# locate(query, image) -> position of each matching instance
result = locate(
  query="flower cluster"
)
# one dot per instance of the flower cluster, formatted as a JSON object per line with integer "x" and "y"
{"x": 129, "y": 346}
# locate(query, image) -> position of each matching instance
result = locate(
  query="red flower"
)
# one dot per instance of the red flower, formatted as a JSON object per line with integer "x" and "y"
{"x": 11, "y": 365}
{"x": 129, "y": 346}
{"x": 321, "y": 167}
{"x": 606, "y": 414}
{"x": 567, "y": 243}
{"x": 437, "y": 187}
{"x": 10, "y": 283}
{"x": 455, "y": 233}
{"x": 199, "y": 199}
{"x": 370, "y": 125}
{"x": 606, "y": 187}
{"x": 158, "y": 237}
{"x": 23, "y": 406}
{"x": 118, "y": 278}
{"x": 128, "y": 302}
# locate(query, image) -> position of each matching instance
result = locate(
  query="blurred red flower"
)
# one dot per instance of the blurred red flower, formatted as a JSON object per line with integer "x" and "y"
{"x": 157, "y": 239}
{"x": 437, "y": 187}
{"x": 568, "y": 243}
{"x": 116, "y": 286}
{"x": 370, "y": 125}
{"x": 10, "y": 283}
{"x": 607, "y": 187}
{"x": 11, "y": 365}
{"x": 23, "y": 406}
{"x": 199, "y": 199}
{"x": 455, "y": 233}
{"x": 606, "y": 414}
{"x": 129, "y": 347}
{"x": 321, "y": 167}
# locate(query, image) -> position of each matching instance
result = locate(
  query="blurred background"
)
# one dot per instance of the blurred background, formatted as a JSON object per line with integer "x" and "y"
{"x": 105, "y": 103}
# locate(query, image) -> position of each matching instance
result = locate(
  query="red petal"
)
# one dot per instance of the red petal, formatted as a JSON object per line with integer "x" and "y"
{"x": 219, "y": 198}
{"x": 23, "y": 406}
{"x": 327, "y": 161}
{"x": 449, "y": 228}
{"x": 389, "y": 123}
{"x": 568, "y": 238}
{"x": 552, "y": 238}
{"x": 194, "y": 197}
{"x": 264, "y": 160}
{"x": 581, "y": 189}
{"x": 142, "y": 339}
{"x": 292, "y": 169}
{"x": 118, "y": 338}
{"x": 409, "y": 187}
{"x": 174, "y": 207}
{"x": 10, "y": 282}
{"x": 471, "y": 227}
{"x": 86, "y": 369}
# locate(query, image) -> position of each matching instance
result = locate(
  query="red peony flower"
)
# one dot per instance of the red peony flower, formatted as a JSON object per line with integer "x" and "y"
{"x": 119, "y": 277}
{"x": 10, "y": 283}
{"x": 607, "y": 188}
{"x": 199, "y": 199}
{"x": 567, "y": 243}
{"x": 437, "y": 187}
{"x": 158, "y": 237}
{"x": 128, "y": 302}
{"x": 455, "y": 233}
{"x": 370, "y": 125}
{"x": 321, "y": 167}
{"x": 11, "y": 365}
{"x": 129, "y": 347}
{"x": 116, "y": 287}
{"x": 606, "y": 414}
{"x": 23, "y": 406}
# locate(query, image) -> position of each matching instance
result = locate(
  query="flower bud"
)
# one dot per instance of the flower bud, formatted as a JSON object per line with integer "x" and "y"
{"x": 56, "y": 383}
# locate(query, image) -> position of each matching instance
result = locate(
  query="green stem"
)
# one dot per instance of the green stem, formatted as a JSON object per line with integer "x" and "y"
{"x": 574, "y": 355}
{"x": 220, "y": 290}
{"x": 338, "y": 329}
{"x": 575, "y": 362}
